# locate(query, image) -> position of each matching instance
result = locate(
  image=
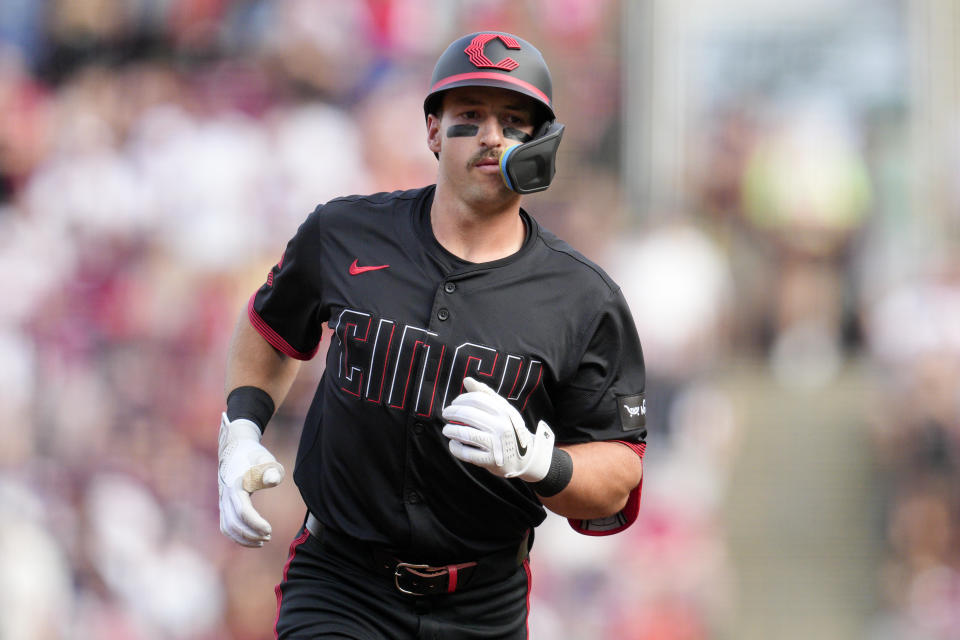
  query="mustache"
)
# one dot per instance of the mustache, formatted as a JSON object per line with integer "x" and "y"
{"x": 482, "y": 155}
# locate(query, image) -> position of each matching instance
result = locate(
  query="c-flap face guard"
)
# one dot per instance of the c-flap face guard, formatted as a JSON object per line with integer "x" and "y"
{"x": 530, "y": 167}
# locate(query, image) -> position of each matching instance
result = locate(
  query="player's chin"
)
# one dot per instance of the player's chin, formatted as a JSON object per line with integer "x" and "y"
{"x": 492, "y": 192}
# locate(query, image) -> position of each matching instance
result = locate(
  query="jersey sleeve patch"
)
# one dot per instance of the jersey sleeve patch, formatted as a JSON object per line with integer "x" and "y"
{"x": 633, "y": 411}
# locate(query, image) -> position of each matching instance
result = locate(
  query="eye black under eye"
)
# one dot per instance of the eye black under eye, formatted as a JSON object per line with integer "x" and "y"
{"x": 516, "y": 134}
{"x": 462, "y": 130}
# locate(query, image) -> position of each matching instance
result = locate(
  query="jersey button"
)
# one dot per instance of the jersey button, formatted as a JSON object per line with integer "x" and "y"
{"x": 450, "y": 287}
{"x": 413, "y": 497}
{"x": 443, "y": 314}
{"x": 418, "y": 428}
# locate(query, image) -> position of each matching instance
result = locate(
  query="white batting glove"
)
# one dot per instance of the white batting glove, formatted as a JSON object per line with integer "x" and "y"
{"x": 486, "y": 430}
{"x": 245, "y": 466}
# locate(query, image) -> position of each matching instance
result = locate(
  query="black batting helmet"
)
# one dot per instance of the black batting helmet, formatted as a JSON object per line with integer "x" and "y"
{"x": 492, "y": 59}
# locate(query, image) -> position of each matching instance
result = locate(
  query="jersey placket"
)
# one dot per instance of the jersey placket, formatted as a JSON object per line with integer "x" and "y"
{"x": 420, "y": 418}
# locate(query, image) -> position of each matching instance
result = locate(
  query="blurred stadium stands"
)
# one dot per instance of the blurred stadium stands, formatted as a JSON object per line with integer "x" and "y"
{"x": 775, "y": 186}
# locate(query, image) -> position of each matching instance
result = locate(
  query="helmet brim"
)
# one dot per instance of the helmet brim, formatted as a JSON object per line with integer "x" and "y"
{"x": 484, "y": 79}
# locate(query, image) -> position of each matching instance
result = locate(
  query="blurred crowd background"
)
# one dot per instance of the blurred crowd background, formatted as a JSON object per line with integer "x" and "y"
{"x": 776, "y": 187}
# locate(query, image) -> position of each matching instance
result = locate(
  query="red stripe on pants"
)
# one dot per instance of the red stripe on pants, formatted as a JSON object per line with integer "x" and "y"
{"x": 286, "y": 568}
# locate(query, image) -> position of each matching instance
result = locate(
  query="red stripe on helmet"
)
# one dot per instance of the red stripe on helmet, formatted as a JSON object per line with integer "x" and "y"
{"x": 488, "y": 75}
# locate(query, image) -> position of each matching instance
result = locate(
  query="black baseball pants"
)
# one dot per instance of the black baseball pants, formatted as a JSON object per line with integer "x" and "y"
{"x": 326, "y": 593}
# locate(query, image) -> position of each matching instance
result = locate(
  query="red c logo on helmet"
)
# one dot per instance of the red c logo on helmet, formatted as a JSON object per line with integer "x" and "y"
{"x": 480, "y": 60}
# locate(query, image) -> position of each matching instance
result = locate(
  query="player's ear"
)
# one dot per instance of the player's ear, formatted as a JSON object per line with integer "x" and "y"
{"x": 433, "y": 133}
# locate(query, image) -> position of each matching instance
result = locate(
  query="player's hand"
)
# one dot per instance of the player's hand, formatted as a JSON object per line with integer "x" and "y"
{"x": 245, "y": 466}
{"x": 486, "y": 430}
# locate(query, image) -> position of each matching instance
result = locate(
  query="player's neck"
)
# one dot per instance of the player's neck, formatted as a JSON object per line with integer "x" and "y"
{"x": 477, "y": 235}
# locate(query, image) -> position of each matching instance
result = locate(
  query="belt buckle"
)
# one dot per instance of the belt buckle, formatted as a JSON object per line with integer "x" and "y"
{"x": 406, "y": 566}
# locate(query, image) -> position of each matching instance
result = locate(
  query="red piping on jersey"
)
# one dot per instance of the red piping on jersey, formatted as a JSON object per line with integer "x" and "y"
{"x": 526, "y": 568}
{"x": 640, "y": 448}
{"x": 489, "y": 75}
{"x": 286, "y": 569}
{"x": 630, "y": 509}
{"x": 273, "y": 337}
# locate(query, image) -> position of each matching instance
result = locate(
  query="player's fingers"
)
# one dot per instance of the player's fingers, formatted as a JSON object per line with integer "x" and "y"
{"x": 242, "y": 533}
{"x": 487, "y": 428}
{"x": 474, "y": 416}
{"x": 252, "y": 518}
{"x": 476, "y": 439}
{"x": 488, "y": 402}
{"x": 470, "y": 454}
{"x": 233, "y": 527}
{"x": 487, "y": 410}
{"x": 235, "y": 535}
{"x": 468, "y": 436}
{"x": 227, "y": 530}
{"x": 472, "y": 384}
{"x": 256, "y": 527}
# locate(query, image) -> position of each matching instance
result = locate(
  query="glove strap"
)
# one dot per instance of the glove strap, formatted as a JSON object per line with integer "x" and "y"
{"x": 558, "y": 477}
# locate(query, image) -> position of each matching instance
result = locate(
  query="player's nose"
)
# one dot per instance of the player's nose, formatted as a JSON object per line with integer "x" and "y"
{"x": 491, "y": 132}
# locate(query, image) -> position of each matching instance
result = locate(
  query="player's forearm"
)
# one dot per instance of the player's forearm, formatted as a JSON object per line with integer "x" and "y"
{"x": 604, "y": 474}
{"x": 252, "y": 361}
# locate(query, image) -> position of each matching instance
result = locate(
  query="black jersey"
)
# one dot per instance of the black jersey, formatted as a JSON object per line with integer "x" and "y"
{"x": 544, "y": 327}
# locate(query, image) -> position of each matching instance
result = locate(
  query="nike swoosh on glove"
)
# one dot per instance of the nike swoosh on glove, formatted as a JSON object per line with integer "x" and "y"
{"x": 244, "y": 466}
{"x": 486, "y": 430}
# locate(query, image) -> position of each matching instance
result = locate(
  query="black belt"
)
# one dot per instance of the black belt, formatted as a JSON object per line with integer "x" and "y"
{"x": 416, "y": 579}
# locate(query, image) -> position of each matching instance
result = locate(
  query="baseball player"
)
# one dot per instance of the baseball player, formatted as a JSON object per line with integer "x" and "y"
{"x": 479, "y": 371}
